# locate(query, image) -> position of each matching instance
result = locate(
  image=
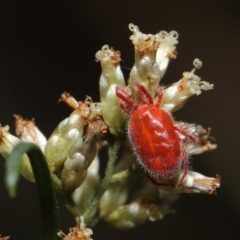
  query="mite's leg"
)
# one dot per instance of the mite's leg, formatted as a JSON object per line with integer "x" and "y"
{"x": 142, "y": 89}
{"x": 123, "y": 95}
{"x": 159, "y": 98}
{"x": 191, "y": 137}
{"x": 185, "y": 163}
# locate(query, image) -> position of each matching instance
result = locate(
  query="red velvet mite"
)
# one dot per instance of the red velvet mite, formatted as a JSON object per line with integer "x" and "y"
{"x": 154, "y": 136}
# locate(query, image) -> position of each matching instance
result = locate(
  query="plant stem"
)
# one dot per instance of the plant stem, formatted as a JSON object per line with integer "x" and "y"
{"x": 112, "y": 154}
{"x": 120, "y": 176}
{"x": 70, "y": 205}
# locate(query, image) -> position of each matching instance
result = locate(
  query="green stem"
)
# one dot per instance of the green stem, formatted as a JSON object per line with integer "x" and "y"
{"x": 57, "y": 183}
{"x": 120, "y": 176}
{"x": 70, "y": 205}
{"x": 112, "y": 154}
{"x": 46, "y": 194}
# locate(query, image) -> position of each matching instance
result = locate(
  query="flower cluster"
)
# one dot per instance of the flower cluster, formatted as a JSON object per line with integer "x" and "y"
{"x": 122, "y": 198}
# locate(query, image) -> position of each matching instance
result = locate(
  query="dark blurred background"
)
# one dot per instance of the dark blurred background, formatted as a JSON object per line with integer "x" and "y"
{"x": 47, "y": 47}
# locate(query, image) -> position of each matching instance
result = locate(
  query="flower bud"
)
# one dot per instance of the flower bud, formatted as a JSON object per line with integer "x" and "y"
{"x": 166, "y": 50}
{"x": 111, "y": 71}
{"x": 111, "y": 77}
{"x": 145, "y": 69}
{"x": 7, "y": 143}
{"x": 115, "y": 196}
{"x": 137, "y": 212}
{"x": 69, "y": 133}
{"x": 62, "y": 140}
{"x": 81, "y": 156}
{"x": 83, "y": 195}
{"x": 112, "y": 114}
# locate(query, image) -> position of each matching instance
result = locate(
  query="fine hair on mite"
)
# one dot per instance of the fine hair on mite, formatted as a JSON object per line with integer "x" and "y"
{"x": 153, "y": 136}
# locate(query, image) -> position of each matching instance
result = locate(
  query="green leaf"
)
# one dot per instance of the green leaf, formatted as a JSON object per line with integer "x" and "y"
{"x": 46, "y": 194}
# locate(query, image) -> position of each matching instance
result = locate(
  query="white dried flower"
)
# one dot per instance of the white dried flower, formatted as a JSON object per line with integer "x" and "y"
{"x": 166, "y": 50}
{"x": 203, "y": 143}
{"x": 146, "y": 69}
{"x": 111, "y": 71}
{"x": 152, "y": 55}
{"x": 176, "y": 95}
{"x": 80, "y": 232}
{"x": 193, "y": 182}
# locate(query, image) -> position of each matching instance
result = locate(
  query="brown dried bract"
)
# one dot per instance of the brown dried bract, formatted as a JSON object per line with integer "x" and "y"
{"x": 213, "y": 184}
{"x": 3, "y": 131}
{"x": 149, "y": 45}
{"x": 21, "y": 123}
{"x": 91, "y": 114}
{"x": 172, "y": 53}
{"x": 4, "y": 238}
{"x": 204, "y": 136}
{"x": 69, "y": 100}
{"x": 115, "y": 58}
{"x": 182, "y": 84}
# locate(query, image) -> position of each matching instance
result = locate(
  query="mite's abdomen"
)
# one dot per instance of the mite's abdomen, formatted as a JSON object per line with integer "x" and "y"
{"x": 155, "y": 141}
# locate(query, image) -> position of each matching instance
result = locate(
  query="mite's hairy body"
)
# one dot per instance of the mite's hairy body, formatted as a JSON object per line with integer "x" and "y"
{"x": 154, "y": 137}
{"x": 157, "y": 148}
